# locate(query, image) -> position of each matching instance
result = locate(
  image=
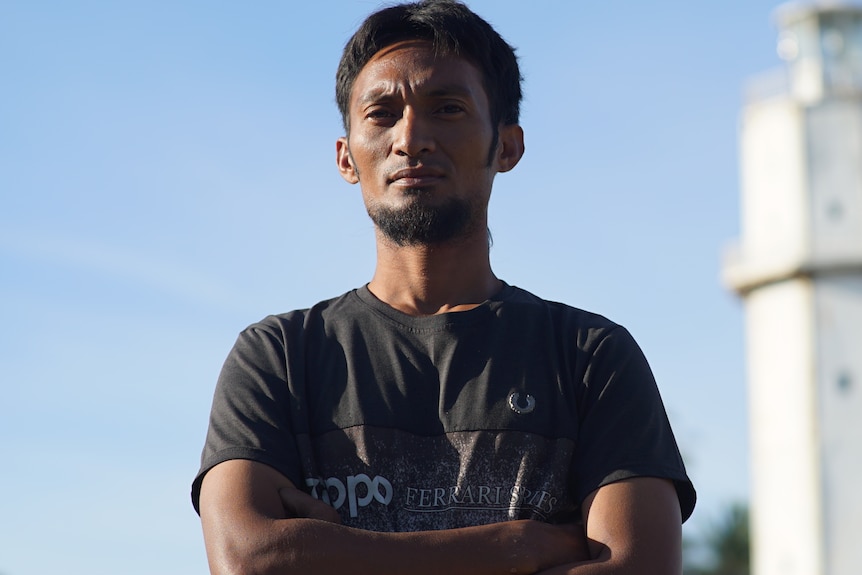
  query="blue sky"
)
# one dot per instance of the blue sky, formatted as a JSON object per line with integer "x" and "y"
{"x": 167, "y": 177}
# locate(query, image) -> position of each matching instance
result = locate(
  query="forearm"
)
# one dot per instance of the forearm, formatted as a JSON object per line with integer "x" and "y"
{"x": 256, "y": 522}
{"x": 608, "y": 566}
{"x": 660, "y": 557}
{"x": 290, "y": 546}
{"x": 633, "y": 527}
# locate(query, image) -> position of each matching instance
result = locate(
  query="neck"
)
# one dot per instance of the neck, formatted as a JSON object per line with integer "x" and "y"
{"x": 428, "y": 280}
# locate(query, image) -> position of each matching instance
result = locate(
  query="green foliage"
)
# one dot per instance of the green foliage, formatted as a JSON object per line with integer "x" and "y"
{"x": 725, "y": 545}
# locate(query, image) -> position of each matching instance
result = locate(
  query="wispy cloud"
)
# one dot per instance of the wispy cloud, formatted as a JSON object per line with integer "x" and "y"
{"x": 155, "y": 271}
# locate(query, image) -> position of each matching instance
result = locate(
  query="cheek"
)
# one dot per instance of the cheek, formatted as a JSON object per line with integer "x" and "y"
{"x": 373, "y": 144}
{"x": 475, "y": 147}
{"x": 367, "y": 152}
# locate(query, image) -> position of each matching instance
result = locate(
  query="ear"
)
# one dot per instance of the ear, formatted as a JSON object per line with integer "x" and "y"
{"x": 510, "y": 148}
{"x": 345, "y": 162}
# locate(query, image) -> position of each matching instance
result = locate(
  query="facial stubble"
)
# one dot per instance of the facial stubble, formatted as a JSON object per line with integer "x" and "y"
{"x": 417, "y": 223}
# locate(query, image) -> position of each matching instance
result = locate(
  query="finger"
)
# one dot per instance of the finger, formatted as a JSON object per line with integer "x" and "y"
{"x": 299, "y": 504}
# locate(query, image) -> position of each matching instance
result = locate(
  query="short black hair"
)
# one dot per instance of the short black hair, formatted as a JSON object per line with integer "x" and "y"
{"x": 453, "y": 29}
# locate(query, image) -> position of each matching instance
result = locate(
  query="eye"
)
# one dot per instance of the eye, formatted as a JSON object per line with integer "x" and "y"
{"x": 381, "y": 116}
{"x": 450, "y": 109}
{"x": 378, "y": 113}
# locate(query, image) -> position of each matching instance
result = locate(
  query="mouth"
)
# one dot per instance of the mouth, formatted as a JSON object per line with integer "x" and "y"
{"x": 416, "y": 177}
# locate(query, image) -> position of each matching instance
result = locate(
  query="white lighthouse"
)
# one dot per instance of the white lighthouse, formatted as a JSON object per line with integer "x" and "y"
{"x": 798, "y": 268}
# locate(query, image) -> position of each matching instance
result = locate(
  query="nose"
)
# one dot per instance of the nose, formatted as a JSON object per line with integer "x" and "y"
{"x": 413, "y": 135}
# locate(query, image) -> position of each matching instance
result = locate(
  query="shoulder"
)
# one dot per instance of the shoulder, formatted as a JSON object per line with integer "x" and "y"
{"x": 284, "y": 325}
{"x": 590, "y": 328}
{"x": 519, "y": 297}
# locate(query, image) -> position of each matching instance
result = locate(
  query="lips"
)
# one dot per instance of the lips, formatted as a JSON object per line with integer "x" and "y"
{"x": 417, "y": 176}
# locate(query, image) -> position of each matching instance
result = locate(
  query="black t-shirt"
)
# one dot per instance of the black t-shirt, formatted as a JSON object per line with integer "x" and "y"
{"x": 516, "y": 409}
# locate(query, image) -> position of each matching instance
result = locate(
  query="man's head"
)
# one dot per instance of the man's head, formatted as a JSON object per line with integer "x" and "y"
{"x": 430, "y": 96}
{"x": 453, "y": 30}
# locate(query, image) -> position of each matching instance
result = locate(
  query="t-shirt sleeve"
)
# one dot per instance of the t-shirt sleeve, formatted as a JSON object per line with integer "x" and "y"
{"x": 250, "y": 410}
{"x": 624, "y": 430}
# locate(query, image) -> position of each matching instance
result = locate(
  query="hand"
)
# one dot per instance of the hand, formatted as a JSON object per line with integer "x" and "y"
{"x": 537, "y": 546}
{"x": 298, "y": 504}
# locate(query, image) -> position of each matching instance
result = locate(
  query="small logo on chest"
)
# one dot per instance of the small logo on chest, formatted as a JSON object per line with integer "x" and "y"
{"x": 522, "y": 406}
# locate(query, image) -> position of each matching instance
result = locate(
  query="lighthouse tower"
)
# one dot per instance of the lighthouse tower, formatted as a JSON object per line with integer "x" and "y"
{"x": 798, "y": 269}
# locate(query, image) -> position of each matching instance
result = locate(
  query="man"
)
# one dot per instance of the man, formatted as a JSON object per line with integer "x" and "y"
{"x": 437, "y": 420}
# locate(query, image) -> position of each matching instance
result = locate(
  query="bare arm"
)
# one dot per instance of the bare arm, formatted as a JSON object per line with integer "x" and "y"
{"x": 633, "y": 527}
{"x": 247, "y": 530}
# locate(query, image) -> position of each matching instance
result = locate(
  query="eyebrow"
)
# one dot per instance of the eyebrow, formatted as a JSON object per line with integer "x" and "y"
{"x": 384, "y": 93}
{"x": 450, "y": 90}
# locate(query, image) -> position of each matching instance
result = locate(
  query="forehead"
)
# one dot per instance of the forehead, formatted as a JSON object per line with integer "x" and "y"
{"x": 414, "y": 66}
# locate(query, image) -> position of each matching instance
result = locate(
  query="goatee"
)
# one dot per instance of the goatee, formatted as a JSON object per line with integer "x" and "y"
{"x": 419, "y": 224}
